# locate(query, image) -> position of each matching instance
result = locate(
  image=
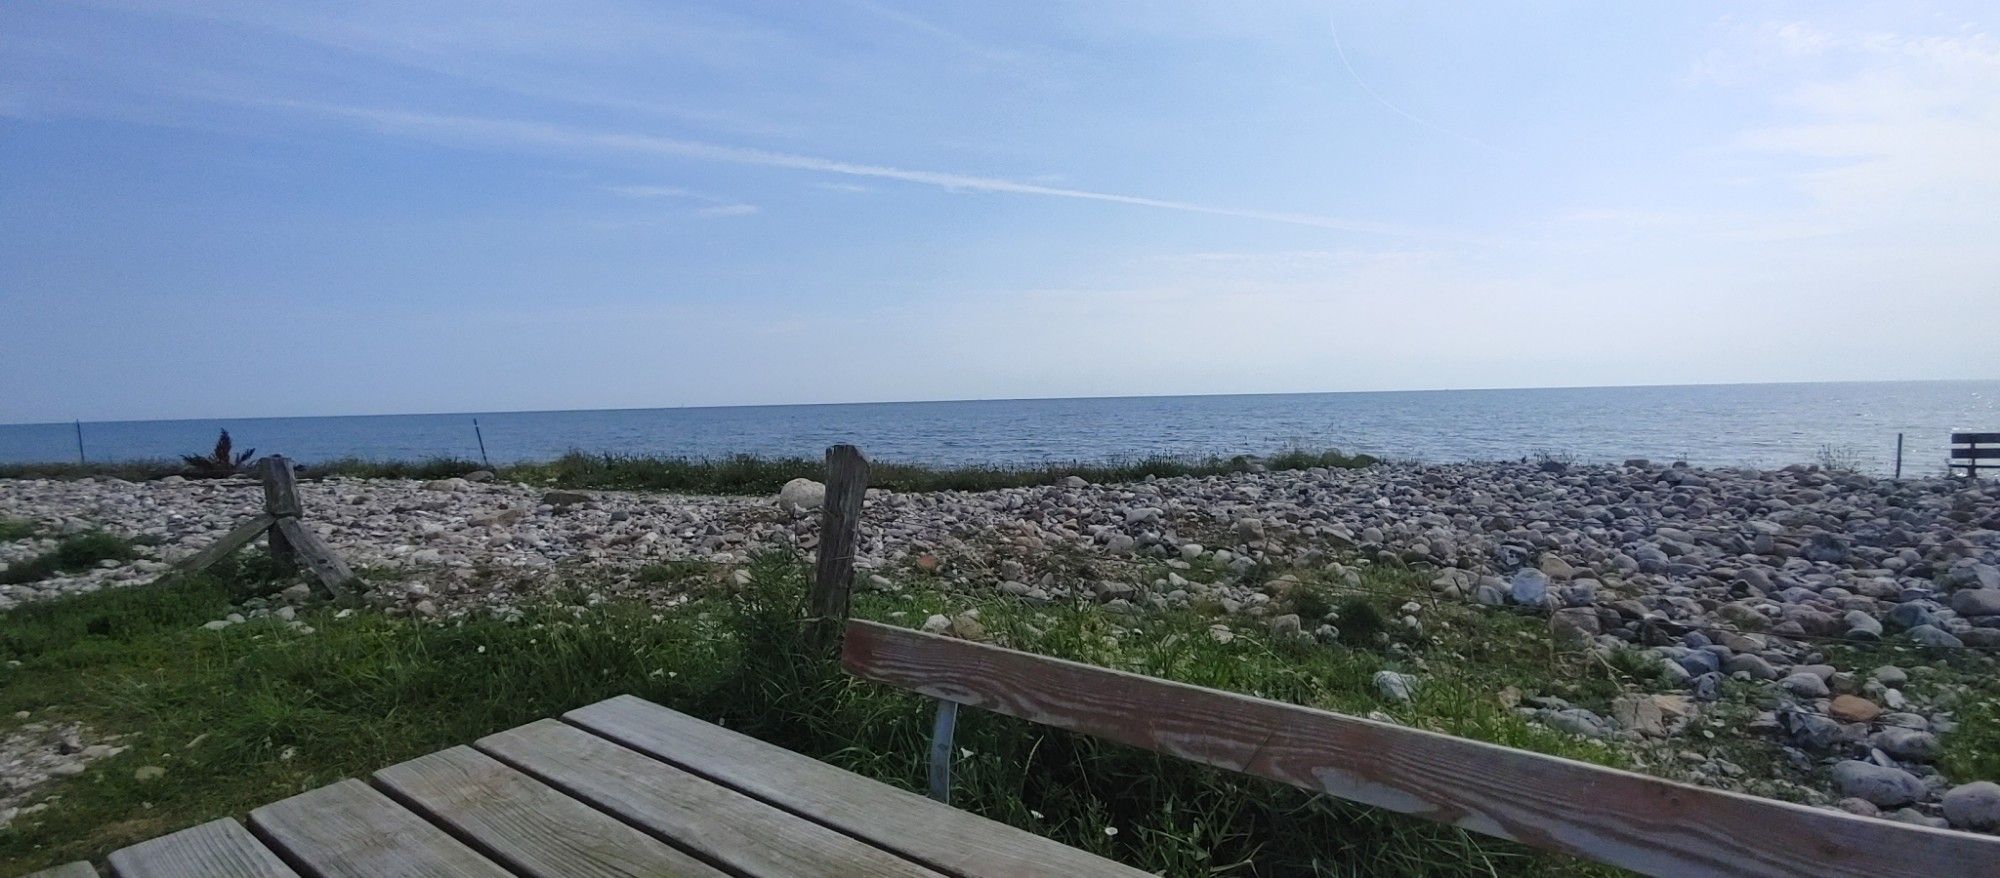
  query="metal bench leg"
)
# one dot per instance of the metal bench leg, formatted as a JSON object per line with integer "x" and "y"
{"x": 941, "y": 732}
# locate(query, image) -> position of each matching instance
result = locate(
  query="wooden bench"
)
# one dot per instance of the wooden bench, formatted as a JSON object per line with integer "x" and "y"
{"x": 1642, "y": 823}
{"x": 1966, "y": 451}
{"x": 622, "y": 787}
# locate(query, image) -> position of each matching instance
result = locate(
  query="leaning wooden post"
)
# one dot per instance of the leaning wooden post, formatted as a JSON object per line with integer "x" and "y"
{"x": 839, "y": 534}
{"x": 281, "y": 501}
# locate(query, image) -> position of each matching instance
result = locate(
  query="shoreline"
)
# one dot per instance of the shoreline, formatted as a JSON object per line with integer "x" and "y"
{"x": 736, "y": 474}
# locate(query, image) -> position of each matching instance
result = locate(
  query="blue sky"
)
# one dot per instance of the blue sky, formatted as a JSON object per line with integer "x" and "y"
{"x": 252, "y": 208}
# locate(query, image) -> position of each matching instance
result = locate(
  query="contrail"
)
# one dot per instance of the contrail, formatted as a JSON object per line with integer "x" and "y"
{"x": 1342, "y": 52}
{"x": 524, "y": 132}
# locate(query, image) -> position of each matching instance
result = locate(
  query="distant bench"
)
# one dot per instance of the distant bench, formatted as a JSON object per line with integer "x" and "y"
{"x": 1966, "y": 451}
{"x": 1642, "y": 823}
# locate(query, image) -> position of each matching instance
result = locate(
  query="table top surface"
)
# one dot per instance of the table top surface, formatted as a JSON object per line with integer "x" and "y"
{"x": 622, "y": 787}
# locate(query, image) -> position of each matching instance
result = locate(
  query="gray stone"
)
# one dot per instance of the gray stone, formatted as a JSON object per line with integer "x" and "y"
{"x": 1883, "y": 786}
{"x": 1285, "y": 626}
{"x": 1529, "y": 587}
{"x": 1826, "y": 549}
{"x": 1753, "y": 665}
{"x": 1910, "y": 615}
{"x": 1974, "y": 806}
{"x": 801, "y": 495}
{"x": 1861, "y": 626}
{"x": 1655, "y": 716}
{"x": 1577, "y": 721}
{"x": 1250, "y": 530}
{"x": 1574, "y": 626}
{"x": 1926, "y": 635}
{"x": 1394, "y": 686}
{"x": 1977, "y": 602}
{"x": 1805, "y": 687}
{"x": 1908, "y": 745}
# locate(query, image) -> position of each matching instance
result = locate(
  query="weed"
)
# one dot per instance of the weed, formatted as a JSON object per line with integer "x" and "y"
{"x": 16, "y": 529}
{"x": 219, "y": 463}
{"x": 74, "y": 553}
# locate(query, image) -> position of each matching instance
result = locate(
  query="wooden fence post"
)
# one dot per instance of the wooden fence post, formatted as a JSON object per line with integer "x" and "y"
{"x": 281, "y": 501}
{"x": 290, "y": 541}
{"x": 839, "y": 534}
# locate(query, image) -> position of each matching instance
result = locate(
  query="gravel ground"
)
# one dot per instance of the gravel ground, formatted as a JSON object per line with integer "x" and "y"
{"x": 1717, "y": 573}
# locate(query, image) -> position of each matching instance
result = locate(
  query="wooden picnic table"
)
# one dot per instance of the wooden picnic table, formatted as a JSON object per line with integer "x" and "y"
{"x": 623, "y": 787}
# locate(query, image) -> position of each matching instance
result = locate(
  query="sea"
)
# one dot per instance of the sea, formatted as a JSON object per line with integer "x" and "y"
{"x": 1858, "y": 424}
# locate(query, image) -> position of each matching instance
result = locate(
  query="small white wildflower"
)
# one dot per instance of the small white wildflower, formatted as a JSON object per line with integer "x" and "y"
{"x": 964, "y": 753}
{"x": 1110, "y": 830}
{"x": 482, "y": 649}
{"x": 1034, "y": 813}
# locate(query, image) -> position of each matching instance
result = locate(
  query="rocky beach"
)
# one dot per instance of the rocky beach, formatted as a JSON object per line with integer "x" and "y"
{"x": 1838, "y": 598}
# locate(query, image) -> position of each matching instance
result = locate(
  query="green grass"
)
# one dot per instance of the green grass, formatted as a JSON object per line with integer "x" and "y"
{"x": 737, "y": 474}
{"x": 259, "y": 711}
{"x": 74, "y": 553}
{"x": 16, "y": 529}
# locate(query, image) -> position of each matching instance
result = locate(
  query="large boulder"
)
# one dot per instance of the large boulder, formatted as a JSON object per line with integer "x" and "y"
{"x": 801, "y": 495}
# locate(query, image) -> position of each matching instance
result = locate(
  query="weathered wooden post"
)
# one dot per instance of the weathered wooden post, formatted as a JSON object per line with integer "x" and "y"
{"x": 290, "y": 542}
{"x": 281, "y": 502}
{"x": 839, "y": 534}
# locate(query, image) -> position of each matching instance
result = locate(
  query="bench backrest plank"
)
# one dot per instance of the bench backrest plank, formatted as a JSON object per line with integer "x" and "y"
{"x": 1643, "y": 823}
{"x": 1966, "y": 452}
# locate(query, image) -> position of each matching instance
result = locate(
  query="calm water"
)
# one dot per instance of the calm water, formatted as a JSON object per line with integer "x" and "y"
{"x": 1761, "y": 424}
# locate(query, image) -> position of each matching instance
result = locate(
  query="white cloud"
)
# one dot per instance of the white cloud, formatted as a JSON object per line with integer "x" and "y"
{"x": 706, "y": 205}
{"x": 1888, "y": 126}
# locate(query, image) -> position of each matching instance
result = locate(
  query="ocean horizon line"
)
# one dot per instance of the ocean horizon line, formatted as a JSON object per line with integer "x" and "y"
{"x": 994, "y": 399}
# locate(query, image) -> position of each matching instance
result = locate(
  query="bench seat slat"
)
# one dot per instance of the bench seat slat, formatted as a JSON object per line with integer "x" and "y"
{"x": 923, "y": 829}
{"x": 216, "y": 849}
{"x": 717, "y": 823}
{"x": 528, "y": 825}
{"x": 1642, "y": 823}
{"x": 66, "y": 870}
{"x": 350, "y": 830}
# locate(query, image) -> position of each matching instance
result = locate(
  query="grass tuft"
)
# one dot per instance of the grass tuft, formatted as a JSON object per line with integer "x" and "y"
{"x": 73, "y": 554}
{"x": 16, "y": 529}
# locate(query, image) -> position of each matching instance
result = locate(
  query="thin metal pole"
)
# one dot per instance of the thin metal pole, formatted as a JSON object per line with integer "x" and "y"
{"x": 79, "y": 441}
{"x": 1899, "y": 457}
{"x": 941, "y": 732}
{"x": 482, "y": 443}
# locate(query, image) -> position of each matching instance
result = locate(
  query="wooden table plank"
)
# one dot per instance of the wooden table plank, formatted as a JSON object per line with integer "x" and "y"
{"x": 217, "y": 849}
{"x": 526, "y": 824}
{"x": 912, "y": 825}
{"x": 719, "y": 824}
{"x": 66, "y": 870}
{"x": 349, "y": 829}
